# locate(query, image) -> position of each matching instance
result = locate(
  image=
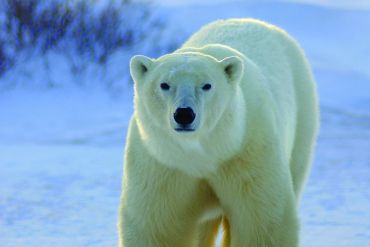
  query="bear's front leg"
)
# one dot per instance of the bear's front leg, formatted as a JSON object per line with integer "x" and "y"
{"x": 160, "y": 206}
{"x": 259, "y": 205}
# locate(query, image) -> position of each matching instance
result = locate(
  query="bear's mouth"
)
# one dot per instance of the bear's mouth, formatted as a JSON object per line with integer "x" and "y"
{"x": 184, "y": 130}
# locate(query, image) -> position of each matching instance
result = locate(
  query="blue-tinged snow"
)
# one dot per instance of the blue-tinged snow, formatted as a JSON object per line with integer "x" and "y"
{"x": 61, "y": 150}
{"x": 61, "y": 158}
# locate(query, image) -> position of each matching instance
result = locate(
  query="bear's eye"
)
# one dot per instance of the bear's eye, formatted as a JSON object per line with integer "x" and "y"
{"x": 165, "y": 86}
{"x": 207, "y": 87}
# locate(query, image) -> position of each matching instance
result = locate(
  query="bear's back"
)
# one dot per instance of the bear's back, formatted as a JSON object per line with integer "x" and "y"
{"x": 268, "y": 46}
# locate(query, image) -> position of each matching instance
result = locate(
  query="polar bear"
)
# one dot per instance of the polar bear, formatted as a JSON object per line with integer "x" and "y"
{"x": 223, "y": 132}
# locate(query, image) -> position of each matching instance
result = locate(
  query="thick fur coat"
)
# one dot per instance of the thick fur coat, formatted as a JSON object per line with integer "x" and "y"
{"x": 240, "y": 153}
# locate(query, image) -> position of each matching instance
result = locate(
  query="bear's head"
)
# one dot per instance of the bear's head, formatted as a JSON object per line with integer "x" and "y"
{"x": 184, "y": 94}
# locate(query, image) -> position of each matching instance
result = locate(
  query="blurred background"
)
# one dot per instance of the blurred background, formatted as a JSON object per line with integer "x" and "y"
{"x": 66, "y": 99}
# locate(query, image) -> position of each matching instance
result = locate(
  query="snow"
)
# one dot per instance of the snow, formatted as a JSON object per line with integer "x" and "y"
{"x": 61, "y": 150}
{"x": 61, "y": 166}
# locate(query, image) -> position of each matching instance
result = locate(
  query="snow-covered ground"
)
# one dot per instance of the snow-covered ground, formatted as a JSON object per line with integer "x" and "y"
{"x": 61, "y": 150}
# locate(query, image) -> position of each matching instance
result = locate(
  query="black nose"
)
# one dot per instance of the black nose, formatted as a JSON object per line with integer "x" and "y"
{"x": 184, "y": 116}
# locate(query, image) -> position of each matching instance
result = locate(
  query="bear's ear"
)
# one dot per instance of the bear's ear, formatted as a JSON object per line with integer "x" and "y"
{"x": 233, "y": 68}
{"x": 139, "y": 66}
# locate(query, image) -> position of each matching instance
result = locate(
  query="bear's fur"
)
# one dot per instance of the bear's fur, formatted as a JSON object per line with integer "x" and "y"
{"x": 244, "y": 158}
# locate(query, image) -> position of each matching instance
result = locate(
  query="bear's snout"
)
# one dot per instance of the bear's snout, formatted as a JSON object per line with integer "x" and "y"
{"x": 184, "y": 116}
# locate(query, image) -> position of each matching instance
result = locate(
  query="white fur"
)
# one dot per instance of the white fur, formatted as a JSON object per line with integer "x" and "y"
{"x": 249, "y": 154}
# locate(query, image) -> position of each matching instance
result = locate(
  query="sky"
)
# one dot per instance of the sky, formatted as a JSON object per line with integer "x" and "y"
{"x": 347, "y": 4}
